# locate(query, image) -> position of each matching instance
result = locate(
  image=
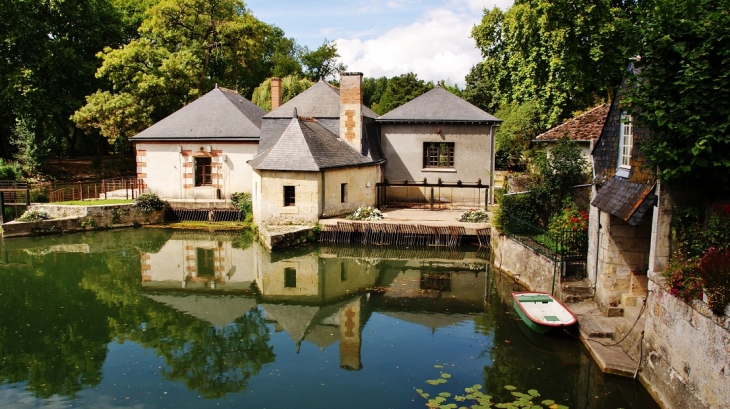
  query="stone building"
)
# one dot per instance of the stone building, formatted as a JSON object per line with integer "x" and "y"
{"x": 319, "y": 155}
{"x": 438, "y": 136}
{"x": 200, "y": 151}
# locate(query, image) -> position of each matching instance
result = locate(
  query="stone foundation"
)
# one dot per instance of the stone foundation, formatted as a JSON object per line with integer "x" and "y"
{"x": 527, "y": 267}
{"x": 686, "y": 351}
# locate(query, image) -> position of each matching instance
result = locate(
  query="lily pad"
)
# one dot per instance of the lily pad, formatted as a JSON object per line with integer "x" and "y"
{"x": 445, "y": 375}
{"x": 534, "y": 393}
{"x": 445, "y": 394}
{"x": 510, "y": 387}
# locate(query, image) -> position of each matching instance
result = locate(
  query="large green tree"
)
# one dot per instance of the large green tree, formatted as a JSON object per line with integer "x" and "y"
{"x": 322, "y": 63}
{"x": 566, "y": 55}
{"x": 48, "y": 53}
{"x": 400, "y": 90}
{"x": 683, "y": 91}
{"x": 185, "y": 48}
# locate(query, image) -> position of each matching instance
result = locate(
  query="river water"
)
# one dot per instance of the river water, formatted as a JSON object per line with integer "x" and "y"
{"x": 155, "y": 318}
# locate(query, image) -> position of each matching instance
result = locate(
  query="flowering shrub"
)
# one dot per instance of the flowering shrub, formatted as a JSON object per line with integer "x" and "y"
{"x": 570, "y": 218}
{"x": 694, "y": 235}
{"x": 684, "y": 278}
{"x": 715, "y": 270}
{"x": 34, "y": 216}
{"x": 474, "y": 216}
{"x": 149, "y": 202}
{"x": 366, "y": 213}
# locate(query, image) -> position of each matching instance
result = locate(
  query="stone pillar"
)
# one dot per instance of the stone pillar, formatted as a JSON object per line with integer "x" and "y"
{"x": 350, "y": 336}
{"x": 660, "y": 249}
{"x": 275, "y": 93}
{"x": 351, "y": 109}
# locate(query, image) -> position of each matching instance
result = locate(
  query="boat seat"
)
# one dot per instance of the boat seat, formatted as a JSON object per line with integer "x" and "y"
{"x": 534, "y": 298}
{"x": 551, "y": 318}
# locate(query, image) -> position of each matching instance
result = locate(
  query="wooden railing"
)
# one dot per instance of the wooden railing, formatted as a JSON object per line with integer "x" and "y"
{"x": 128, "y": 188}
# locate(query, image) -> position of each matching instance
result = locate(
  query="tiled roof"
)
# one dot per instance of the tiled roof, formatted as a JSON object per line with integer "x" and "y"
{"x": 219, "y": 114}
{"x": 438, "y": 105}
{"x": 307, "y": 146}
{"x": 626, "y": 197}
{"x": 321, "y": 100}
{"x": 584, "y": 127}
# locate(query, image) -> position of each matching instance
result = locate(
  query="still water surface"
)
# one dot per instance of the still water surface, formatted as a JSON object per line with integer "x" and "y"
{"x": 151, "y": 318}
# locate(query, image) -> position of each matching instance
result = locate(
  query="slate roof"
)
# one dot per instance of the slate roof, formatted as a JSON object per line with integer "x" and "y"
{"x": 626, "y": 197}
{"x": 585, "y": 127}
{"x": 305, "y": 145}
{"x": 221, "y": 114}
{"x": 438, "y": 105}
{"x": 321, "y": 100}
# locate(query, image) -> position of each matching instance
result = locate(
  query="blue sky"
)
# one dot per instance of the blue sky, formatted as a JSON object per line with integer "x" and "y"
{"x": 386, "y": 37}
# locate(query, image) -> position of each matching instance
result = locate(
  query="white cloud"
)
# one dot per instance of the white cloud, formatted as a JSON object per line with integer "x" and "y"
{"x": 436, "y": 46}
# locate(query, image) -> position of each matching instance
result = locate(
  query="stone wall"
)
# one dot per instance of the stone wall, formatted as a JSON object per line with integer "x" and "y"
{"x": 686, "y": 352}
{"x": 527, "y": 267}
{"x": 74, "y": 218}
{"x": 622, "y": 248}
{"x": 361, "y": 187}
{"x": 269, "y": 197}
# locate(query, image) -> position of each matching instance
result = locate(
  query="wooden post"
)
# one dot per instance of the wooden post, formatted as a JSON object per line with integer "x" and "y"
{"x": 431, "y": 198}
{"x": 27, "y": 198}
{"x": 81, "y": 192}
{"x": 103, "y": 187}
{"x": 126, "y": 188}
{"x": 2, "y": 206}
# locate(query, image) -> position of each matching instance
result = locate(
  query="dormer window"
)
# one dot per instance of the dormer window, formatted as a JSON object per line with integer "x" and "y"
{"x": 626, "y": 141}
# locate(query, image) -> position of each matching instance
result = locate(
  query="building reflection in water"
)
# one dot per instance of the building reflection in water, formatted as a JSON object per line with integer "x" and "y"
{"x": 322, "y": 295}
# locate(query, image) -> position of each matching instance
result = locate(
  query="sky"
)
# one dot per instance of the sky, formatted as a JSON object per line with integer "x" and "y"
{"x": 387, "y": 37}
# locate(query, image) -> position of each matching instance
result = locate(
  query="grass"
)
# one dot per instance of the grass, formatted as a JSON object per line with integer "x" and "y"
{"x": 94, "y": 202}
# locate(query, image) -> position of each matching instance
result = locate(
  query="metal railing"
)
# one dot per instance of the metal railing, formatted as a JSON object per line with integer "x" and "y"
{"x": 433, "y": 195}
{"x": 569, "y": 247}
{"x": 122, "y": 188}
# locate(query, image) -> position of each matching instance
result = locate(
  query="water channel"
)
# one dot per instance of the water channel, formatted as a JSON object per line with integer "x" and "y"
{"x": 155, "y": 318}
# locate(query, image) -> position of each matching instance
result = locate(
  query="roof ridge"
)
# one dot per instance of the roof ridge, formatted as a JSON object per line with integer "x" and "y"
{"x": 228, "y": 90}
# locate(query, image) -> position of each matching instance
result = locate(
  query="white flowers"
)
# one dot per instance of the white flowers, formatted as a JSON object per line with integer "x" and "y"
{"x": 366, "y": 213}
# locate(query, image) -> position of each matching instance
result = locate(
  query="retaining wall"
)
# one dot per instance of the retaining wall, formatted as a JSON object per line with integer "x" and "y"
{"x": 526, "y": 266}
{"x": 686, "y": 351}
{"x": 68, "y": 219}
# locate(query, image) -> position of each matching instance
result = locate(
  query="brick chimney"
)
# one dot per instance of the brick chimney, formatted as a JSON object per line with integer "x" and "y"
{"x": 351, "y": 109}
{"x": 275, "y": 93}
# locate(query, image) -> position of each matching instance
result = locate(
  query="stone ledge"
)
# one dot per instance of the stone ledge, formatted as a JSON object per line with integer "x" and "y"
{"x": 280, "y": 237}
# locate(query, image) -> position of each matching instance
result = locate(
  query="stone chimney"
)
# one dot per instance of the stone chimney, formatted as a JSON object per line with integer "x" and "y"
{"x": 275, "y": 93}
{"x": 351, "y": 109}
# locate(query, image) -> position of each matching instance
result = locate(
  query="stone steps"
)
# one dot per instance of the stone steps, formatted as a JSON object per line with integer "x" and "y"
{"x": 576, "y": 291}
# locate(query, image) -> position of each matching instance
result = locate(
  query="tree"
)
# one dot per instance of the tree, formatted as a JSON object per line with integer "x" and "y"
{"x": 372, "y": 90}
{"x": 683, "y": 91}
{"x": 48, "y": 56}
{"x": 400, "y": 90}
{"x": 521, "y": 125}
{"x": 322, "y": 63}
{"x": 291, "y": 86}
{"x": 565, "y": 55}
{"x": 185, "y": 48}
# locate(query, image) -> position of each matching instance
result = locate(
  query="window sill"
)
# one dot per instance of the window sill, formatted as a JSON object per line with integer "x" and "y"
{"x": 623, "y": 172}
{"x": 439, "y": 170}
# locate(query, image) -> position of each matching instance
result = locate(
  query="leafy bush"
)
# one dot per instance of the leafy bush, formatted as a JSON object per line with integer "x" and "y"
{"x": 242, "y": 202}
{"x": 34, "y": 216}
{"x": 694, "y": 235}
{"x": 10, "y": 171}
{"x": 366, "y": 213}
{"x": 518, "y": 206}
{"x": 474, "y": 216}
{"x": 149, "y": 202}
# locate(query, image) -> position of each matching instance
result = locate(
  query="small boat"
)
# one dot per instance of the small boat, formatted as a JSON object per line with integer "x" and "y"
{"x": 542, "y": 312}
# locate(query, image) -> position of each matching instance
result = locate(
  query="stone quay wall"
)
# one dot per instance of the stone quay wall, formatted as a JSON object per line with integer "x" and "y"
{"x": 66, "y": 219}
{"x": 527, "y": 267}
{"x": 686, "y": 351}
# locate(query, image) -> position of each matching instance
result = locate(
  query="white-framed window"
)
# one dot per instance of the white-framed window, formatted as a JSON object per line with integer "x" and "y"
{"x": 626, "y": 141}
